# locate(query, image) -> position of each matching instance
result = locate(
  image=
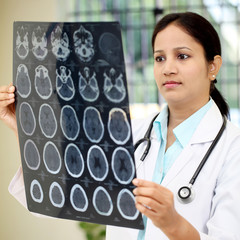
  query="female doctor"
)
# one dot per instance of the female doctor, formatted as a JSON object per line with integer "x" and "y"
{"x": 187, "y": 58}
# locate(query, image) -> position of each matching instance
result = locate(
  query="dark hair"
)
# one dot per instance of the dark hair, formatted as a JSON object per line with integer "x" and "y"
{"x": 204, "y": 33}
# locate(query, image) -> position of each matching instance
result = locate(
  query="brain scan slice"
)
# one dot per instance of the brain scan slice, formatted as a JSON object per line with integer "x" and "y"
{"x": 93, "y": 125}
{"x": 47, "y": 121}
{"x": 110, "y": 47}
{"x": 114, "y": 88}
{"x": 73, "y": 160}
{"x": 88, "y": 86}
{"x": 31, "y": 155}
{"x": 39, "y": 42}
{"x": 23, "y": 83}
{"x": 97, "y": 163}
{"x": 60, "y": 44}
{"x": 83, "y": 44}
{"x": 102, "y": 201}
{"x": 69, "y": 123}
{"x": 78, "y": 198}
{"x": 126, "y": 205}
{"x": 56, "y": 195}
{"x": 52, "y": 158}
{"x": 118, "y": 126}
{"x": 22, "y": 43}
{"x": 36, "y": 191}
{"x": 27, "y": 118}
{"x": 64, "y": 83}
{"x": 43, "y": 83}
{"x": 122, "y": 165}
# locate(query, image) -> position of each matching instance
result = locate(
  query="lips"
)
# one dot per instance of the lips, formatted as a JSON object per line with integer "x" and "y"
{"x": 171, "y": 84}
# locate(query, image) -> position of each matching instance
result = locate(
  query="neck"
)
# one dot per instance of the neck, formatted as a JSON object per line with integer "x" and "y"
{"x": 177, "y": 113}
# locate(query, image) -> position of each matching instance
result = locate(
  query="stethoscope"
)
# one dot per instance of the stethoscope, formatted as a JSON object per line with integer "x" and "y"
{"x": 185, "y": 194}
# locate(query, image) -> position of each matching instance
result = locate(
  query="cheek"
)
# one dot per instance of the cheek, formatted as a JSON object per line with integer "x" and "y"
{"x": 157, "y": 76}
{"x": 198, "y": 78}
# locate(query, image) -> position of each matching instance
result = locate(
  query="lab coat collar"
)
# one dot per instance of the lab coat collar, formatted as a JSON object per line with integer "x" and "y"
{"x": 205, "y": 132}
{"x": 210, "y": 124}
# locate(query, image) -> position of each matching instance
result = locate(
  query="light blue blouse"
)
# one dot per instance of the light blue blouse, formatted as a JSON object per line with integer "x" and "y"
{"x": 183, "y": 133}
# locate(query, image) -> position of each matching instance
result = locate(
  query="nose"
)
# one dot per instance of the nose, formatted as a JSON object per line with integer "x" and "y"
{"x": 169, "y": 67}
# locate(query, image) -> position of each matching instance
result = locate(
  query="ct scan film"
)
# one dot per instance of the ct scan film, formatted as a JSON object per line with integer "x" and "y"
{"x": 73, "y": 120}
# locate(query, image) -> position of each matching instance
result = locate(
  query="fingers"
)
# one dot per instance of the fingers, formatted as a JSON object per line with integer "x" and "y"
{"x": 7, "y": 89}
{"x": 145, "y": 202}
{"x": 7, "y": 95}
{"x": 152, "y": 195}
{"x": 150, "y": 189}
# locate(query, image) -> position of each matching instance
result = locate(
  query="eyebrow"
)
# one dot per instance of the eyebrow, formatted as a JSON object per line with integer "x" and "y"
{"x": 177, "y": 48}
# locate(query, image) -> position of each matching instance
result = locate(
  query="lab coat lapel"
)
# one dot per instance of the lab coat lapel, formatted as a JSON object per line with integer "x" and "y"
{"x": 205, "y": 132}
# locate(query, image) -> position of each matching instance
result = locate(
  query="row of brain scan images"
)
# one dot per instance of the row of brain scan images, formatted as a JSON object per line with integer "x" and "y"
{"x": 97, "y": 164}
{"x": 101, "y": 199}
{"x": 83, "y": 44}
{"x": 118, "y": 126}
{"x": 113, "y": 88}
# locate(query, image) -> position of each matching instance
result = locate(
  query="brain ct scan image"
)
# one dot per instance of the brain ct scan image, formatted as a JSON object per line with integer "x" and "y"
{"x": 122, "y": 165}
{"x": 97, "y": 163}
{"x": 60, "y": 44}
{"x": 118, "y": 126}
{"x": 73, "y": 118}
{"x": 27, "y": 118}
{"x": 126, "y": 203}
{"x": 93, "y": 125}
{"x": 78, "y": 198}
{"x": 74, "y": 161}
{"x": 83, "y": 44}
{"x": 102, "y": 201}
{"x": 31, "y": 155}
{"x": 47, "y": 120}
{"x": 114, "y": 88}
{"x": 36, "y": 191}
{"x": 23, "y": 83}
{"x": 88, "y": 86}
{"x": 43, "y": 83}
{"x": 69, "y": 122}
{"x": 52, "y": 158}
{"x": 56, "y": 195}
{"x": 110, "y": 47}
{"x": 22, "y": 42}
{"x": 39, "y": 42}
{"x": 64, "y": 83}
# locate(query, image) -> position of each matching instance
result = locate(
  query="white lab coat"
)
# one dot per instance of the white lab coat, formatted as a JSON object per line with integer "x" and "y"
{"x": 215, "y": 211}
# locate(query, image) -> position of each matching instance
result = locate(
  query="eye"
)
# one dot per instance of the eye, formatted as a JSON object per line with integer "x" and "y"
{"x": 183, "y": 56}
{"x": 159, "y": 58}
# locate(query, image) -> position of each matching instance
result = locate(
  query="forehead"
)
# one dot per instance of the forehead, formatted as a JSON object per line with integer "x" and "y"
{"x": 174, "y": 36}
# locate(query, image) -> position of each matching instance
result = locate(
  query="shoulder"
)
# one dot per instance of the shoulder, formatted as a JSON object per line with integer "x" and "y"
{"x": 233, "y": 135}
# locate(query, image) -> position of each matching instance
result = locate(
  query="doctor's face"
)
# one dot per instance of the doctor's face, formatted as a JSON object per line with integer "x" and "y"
{"x": 181, "y": 70}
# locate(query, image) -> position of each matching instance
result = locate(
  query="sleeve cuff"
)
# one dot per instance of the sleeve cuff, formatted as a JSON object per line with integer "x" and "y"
{"x": 204, "y": 236}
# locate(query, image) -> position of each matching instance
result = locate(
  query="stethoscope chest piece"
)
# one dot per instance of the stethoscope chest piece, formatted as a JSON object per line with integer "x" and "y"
{"x": 186, "y": 194}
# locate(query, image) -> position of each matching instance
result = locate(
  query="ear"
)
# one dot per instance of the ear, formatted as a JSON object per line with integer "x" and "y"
{"x": 214, "y": 67}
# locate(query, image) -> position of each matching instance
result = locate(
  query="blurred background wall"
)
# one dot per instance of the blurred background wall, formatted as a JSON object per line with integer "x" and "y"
{"x": 137, "y": 18}
{"x": 16, "y": 223}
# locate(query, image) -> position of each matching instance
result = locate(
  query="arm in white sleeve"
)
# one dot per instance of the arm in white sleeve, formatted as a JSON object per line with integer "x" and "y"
{"x": 225, "y": 215}
{"x": 17, "y": 189}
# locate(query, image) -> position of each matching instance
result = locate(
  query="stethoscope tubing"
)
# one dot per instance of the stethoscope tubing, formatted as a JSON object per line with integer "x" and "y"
{"x": 185, "y": 193}
{"x": 209, "y": 151}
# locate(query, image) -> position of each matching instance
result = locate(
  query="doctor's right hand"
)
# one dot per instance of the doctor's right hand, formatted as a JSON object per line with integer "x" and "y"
{"x": 7, "y": 106}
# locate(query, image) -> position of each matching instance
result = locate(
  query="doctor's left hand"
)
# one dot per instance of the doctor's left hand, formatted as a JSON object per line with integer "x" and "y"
{"x": 157, "y": 203}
